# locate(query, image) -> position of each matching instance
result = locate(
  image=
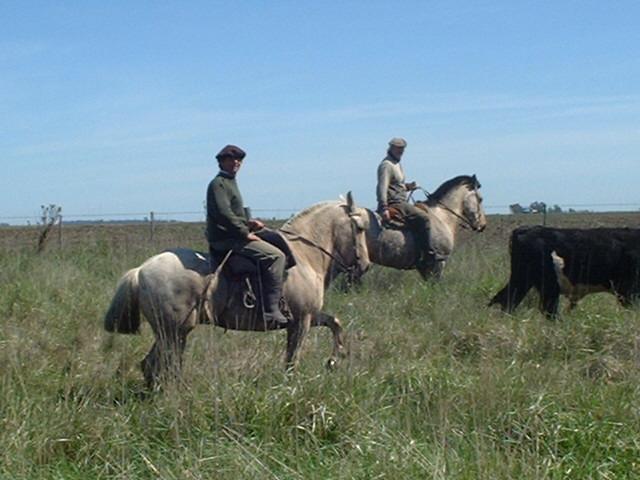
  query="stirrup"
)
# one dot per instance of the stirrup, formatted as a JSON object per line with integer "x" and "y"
{"x": 275, "y": 318}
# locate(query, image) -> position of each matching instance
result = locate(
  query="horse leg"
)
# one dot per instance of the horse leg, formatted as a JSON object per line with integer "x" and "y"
{"x": 438, "y": 269}
{"x": 164, "y": 360}
{"x": 431, "y": 271}
{"x": 323, "y": 319}
{"x": 150, "y": 366}
{"x": 296, "y": 331}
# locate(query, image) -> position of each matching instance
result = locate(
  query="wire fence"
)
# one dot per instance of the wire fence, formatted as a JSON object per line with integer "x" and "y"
{"x": 164, "y": 229}
{"x": 269, "y": 214}
{"x": 137, "y": 217}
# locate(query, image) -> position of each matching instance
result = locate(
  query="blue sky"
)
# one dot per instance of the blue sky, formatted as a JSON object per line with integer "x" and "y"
{"x": 121, "y": 106}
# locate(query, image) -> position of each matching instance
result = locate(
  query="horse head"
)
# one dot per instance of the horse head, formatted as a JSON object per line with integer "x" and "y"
{"x": 461, "y": 197}
{"x": 352, "y": 240}
{"x": 472, "y": 209}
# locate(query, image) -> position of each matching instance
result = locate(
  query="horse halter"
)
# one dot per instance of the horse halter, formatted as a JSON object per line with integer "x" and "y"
{"x": 466, "y": 222}
{"x": 352, "y": 271}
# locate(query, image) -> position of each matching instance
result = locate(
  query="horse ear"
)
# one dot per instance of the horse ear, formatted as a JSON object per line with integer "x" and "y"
{"x": 476, "y": 183}
{"x": 351, "y": 205}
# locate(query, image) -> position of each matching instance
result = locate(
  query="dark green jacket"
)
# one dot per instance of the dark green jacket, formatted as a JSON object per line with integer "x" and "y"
{"x": 227, "y": 224}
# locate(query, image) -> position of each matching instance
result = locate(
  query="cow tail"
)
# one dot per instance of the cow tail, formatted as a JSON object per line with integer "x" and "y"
{"x": 512, "y": 242}
{"x": 123, "y": 315}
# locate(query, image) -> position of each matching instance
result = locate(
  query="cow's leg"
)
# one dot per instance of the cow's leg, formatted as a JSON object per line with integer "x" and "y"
{"x": 626, "y": 299}
{"x": 550, "y": 299}
{"x": 501, "y": 298}
{"x": 626, "y": 292}
{"x": 512, "y": 294}
{"x": 323, "y": 319}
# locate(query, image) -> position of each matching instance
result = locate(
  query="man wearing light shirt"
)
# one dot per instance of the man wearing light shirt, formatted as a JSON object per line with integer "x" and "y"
{"x": 392, "y": 194}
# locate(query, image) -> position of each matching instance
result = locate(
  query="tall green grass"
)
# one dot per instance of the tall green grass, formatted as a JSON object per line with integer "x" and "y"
{"x": 435, "y": 385}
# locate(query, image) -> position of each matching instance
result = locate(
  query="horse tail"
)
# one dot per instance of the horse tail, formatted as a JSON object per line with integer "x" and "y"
{"x": 123, "y": 315}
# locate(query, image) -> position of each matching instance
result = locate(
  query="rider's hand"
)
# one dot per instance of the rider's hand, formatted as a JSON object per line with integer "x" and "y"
{"x": 411, "y": 186}
{"x": 386, "y": 216}
{"x": 252, "y": 237}
{"x": 255, "y": 225}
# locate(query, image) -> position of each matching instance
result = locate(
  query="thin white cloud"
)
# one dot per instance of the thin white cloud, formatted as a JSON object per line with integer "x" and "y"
{"x": 146, "y": 128}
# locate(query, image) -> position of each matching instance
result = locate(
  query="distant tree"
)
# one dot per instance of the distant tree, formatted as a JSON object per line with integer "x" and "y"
{"x": 49, "y": 215}
{"x": 555, "y": 209}
{"x": 516, "y": 208}
{"x": 538, "y": 207}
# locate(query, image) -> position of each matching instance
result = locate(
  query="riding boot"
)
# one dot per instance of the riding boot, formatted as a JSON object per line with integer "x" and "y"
{"x": 426, "y": 261}
{"x": 271, "y": 293}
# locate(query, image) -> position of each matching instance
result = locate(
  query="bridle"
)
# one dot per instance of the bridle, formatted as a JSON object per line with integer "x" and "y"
{"x": 466, "y": 223}
{"x": 352, "y": 271}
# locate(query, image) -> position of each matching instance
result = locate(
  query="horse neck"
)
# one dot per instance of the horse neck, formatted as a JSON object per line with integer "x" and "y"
{"x": 449, "y": 208}
{"x": 318, "y": 229}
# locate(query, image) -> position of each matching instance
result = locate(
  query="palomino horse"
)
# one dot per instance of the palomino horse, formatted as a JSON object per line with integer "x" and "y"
{"x": 456, "y": 202}
{"x": 175, "y": 290}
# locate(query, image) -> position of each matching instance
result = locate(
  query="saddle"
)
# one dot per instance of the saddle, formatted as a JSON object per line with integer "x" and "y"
{"x": 244, "y": 276}
{"x": 397, "y": 220}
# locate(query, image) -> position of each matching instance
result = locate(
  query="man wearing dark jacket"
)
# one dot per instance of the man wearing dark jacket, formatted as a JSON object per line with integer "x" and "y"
{"x": 228, "y": 228}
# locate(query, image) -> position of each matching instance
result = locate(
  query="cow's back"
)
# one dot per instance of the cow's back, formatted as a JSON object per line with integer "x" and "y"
{"x": 592, "y": 259}
{"x": 597, "y": 256}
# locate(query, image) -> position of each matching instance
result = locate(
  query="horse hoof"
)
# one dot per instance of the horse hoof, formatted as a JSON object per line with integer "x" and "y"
{"x": 331, "y": 364}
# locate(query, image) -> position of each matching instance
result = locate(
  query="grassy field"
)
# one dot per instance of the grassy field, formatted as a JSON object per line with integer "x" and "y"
{"x": 435, "y": 384}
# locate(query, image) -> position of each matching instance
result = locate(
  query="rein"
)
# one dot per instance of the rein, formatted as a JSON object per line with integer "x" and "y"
{"x": 297, "y": 236}
{"x": 200, "y": 300}
{"x": 350, "y": 270}
{"x": 466, "y": 221}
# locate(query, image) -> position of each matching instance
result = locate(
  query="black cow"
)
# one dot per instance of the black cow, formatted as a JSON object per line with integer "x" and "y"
{"x": 573, "y": 262}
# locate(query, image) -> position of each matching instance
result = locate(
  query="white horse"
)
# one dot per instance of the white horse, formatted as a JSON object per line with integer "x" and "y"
{"x": 457, "y": 202}
{"x": 176, "y": 290}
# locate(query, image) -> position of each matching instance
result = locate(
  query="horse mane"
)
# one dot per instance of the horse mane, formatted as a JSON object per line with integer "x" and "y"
{"x": 300, "y": 216}
{"x": 469, "y": 180}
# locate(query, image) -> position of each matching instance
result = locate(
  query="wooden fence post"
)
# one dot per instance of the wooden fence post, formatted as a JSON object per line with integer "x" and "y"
{"x": 152, "y": 225}
{"x": 60, "y": 231}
